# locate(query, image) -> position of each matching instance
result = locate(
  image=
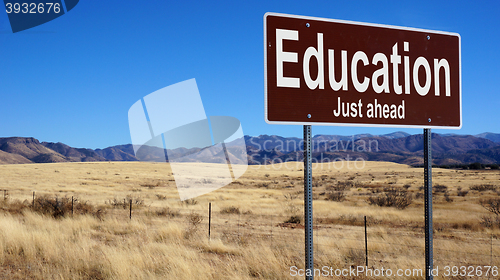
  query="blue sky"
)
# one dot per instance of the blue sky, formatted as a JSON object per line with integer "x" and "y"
{"x": 73, "y": 79}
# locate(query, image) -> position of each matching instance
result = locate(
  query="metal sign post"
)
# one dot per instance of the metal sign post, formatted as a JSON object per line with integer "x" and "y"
{"x": 308, "y": 207}
{"x": 428, "y": 203}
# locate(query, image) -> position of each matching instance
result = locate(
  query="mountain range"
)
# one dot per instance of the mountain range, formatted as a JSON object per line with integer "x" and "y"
{"x": 400, "y": 147}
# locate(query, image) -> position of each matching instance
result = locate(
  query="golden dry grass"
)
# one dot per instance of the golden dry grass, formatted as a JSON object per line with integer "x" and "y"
{"x": 164, "y": 241}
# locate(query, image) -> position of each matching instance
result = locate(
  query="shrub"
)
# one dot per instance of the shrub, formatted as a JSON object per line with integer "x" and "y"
{"x": 99, "y": 214}
{"x": 492, "y": 205}
{"x": 14, "y": 206}
{"x": 483, "y": 187}
{"x": 345, "y": 185}
{"x": 60, "y": 207}
{"x": 194, "y": 220}
{"x": 295, "y": 219}
{"x": 338, "y": 196}
{"x": 167, "y": 212}
{"x": 82, "y": 207}
{"x": 392, "y": 197}
{"x": 462, "y": 193}
{"x": 230, "y": 210}
{"x": 354, "y": 257}
{"x": 440, "y": 188}
{"x": 490, "y": 222}
{"x": 149, "y": 186}
{"x": 475, "y": 166}
{"x": 115, "y": 203}
{"x": 190, "y": 201}
{"x": 264, "y": 185}
{"x": 342, "y": 186}
{"x": 447, "y": 197}
{"x": 161, "y": 196}
{"x": 137, "y": 201}
{"x": 350, "y": 220}
{"x": 290, "y": 206}
{"x": 125, "y": 203}
{"x": 51, "y": 206}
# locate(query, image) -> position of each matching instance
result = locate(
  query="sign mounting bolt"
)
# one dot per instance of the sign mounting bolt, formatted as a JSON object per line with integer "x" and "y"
{"x": 428, "y": 37}
{"x": 429, "y": 119}
{"x": 308, "y": 116}
{"x": 307, "y": 24}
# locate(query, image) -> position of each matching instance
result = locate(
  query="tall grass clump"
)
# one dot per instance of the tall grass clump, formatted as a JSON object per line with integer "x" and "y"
{"x": 392, "y": 197}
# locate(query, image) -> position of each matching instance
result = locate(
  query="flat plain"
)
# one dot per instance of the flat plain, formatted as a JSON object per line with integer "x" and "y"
{"x": 256, "y": 222}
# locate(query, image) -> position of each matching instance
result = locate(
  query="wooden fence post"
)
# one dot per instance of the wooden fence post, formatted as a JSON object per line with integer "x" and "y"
{"x": 209, "y": 218}
{"x": 271, "y": 230}
{"x": 131, "y": 209}
{"x": 366, "y": 245}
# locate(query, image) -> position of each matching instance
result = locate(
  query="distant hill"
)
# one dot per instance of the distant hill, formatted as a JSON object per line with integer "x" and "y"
{"x": 495, "y": 137}
{"x": 395, "y": 135}
{"x": 440, "y": 144}
{"x": 8, "y": 158}
{"x": 490, "y": 153}
{"x": 117, "y": 153}
{"x": 400, "y": 147}
{"x": 73, "y": 154}
{"x": 446, "y": 150}
{"x": 30, "y": 149}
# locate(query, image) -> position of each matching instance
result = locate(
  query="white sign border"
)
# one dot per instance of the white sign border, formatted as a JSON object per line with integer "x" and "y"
{"x": 363, "y": 24}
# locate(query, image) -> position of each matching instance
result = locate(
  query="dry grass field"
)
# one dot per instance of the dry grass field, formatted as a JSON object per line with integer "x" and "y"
{"x": 256, "y": 230}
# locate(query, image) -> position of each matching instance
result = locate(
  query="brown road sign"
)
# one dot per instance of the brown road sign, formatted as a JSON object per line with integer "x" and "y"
{"x": 331, "y": 72}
